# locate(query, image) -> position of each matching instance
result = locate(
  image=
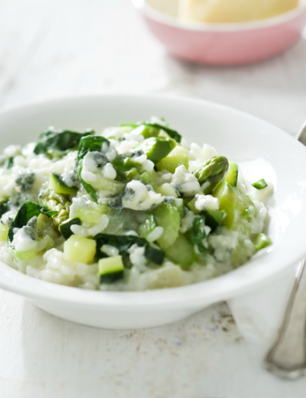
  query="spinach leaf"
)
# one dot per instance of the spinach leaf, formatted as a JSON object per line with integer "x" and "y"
{"x": 124, "y": 242}
{"x": 65, "y": 227}
{"x": 4, "y": 207}
{"x": 25, "y": 213}
{"x": 172, "y": 133}
{"x": 89, "y": 144}
{"x": 55, "y": 139}
{"x": 154, "y": 255}
{"x": 197, "y": 233}
{"x": 88, "y": 188}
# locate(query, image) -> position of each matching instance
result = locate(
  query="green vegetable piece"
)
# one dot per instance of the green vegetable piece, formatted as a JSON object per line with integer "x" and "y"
{"x": 149, "y": 131}
{"x": 57, "y": 185}
{"x": 261, "y": 184}
{"x": 55, "y": 139}
{"x": 196, "y": 234}
{"x": 4, "y": 207}
{"x": 156, "y": 148}
{"x": 60, "y": 204}
{"x": 65, "y": 227}
{"x": 126, "y": 169}
{"x": 88, "y": 188}
{"x": 244, "y": 204}
{"x": 25, "y": 213}
{"x": 24, "y": 256}
{"x": 181, "y": 252}
{"x": 92, "y": 215}
{"x": 177, "y": 157}
{"x": 171, "y": 133}
{"x": 124, "y": 242}
{"x": 89, "y": 144}
{"x": 191, "y": 206}
{"x": 9, "y": 163}
{"x": 154, "y": 255}
{"x": 261, "y": 241}
{"x": 168, "y": 217}
{"x": 232, "y": 174}
{"x": 213, "y": 218}
{"x": 111, "y": 269}
{"x": 227, "y": 199}
{"x": 149, "y": 179}
{"x": 155, "y": 126}
{"x": 179, "y": 203}
{"x": 147, "y": 226}
{"x": 211, "y": 173}
{"x": 132, "y": 174}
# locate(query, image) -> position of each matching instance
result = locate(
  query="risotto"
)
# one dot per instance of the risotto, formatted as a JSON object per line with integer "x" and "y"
{"x": 131, "y": 208}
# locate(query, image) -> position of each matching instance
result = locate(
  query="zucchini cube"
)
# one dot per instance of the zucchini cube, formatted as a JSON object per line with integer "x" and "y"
{"x": 110, "y": 269}
{"x": 58, "y": 186}
{"x": 80, "y": 249}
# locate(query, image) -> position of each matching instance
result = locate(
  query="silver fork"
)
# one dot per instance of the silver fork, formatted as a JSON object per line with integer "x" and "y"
{"x": 287, "y": 356}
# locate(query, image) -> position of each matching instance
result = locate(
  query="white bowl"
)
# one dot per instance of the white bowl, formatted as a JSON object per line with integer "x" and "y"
{"x": 234, "y": 134}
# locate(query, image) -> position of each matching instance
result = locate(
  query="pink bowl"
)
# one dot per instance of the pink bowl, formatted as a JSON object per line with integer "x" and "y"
{"x": 222, "y": 44}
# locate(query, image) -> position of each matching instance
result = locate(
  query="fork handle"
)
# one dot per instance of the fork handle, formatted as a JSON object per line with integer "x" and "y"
{"x": 287, "y": 356}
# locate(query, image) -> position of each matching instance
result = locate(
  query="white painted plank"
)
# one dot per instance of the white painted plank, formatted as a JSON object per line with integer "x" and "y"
{"x": 42, "y": 355}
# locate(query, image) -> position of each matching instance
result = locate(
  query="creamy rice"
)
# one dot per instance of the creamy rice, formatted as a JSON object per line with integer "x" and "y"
{"x": 158, "y": 211}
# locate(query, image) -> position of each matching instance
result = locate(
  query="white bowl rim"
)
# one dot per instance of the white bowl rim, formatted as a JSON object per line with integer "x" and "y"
{"x": 158, "y": 16}
{"x": 186, "y": 296}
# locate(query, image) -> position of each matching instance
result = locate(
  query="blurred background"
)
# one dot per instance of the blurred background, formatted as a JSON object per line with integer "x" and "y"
{"x": 51, "y": 48}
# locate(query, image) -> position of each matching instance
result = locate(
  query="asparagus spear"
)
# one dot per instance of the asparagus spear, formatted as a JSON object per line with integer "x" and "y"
{"x": 211, "y": 173}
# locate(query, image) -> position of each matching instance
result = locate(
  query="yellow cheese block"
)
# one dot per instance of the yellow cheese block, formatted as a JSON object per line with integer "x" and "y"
{"x": 227, "y": 11}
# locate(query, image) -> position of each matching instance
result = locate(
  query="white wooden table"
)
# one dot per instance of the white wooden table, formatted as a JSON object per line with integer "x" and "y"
{"x": 57, "y": 48}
